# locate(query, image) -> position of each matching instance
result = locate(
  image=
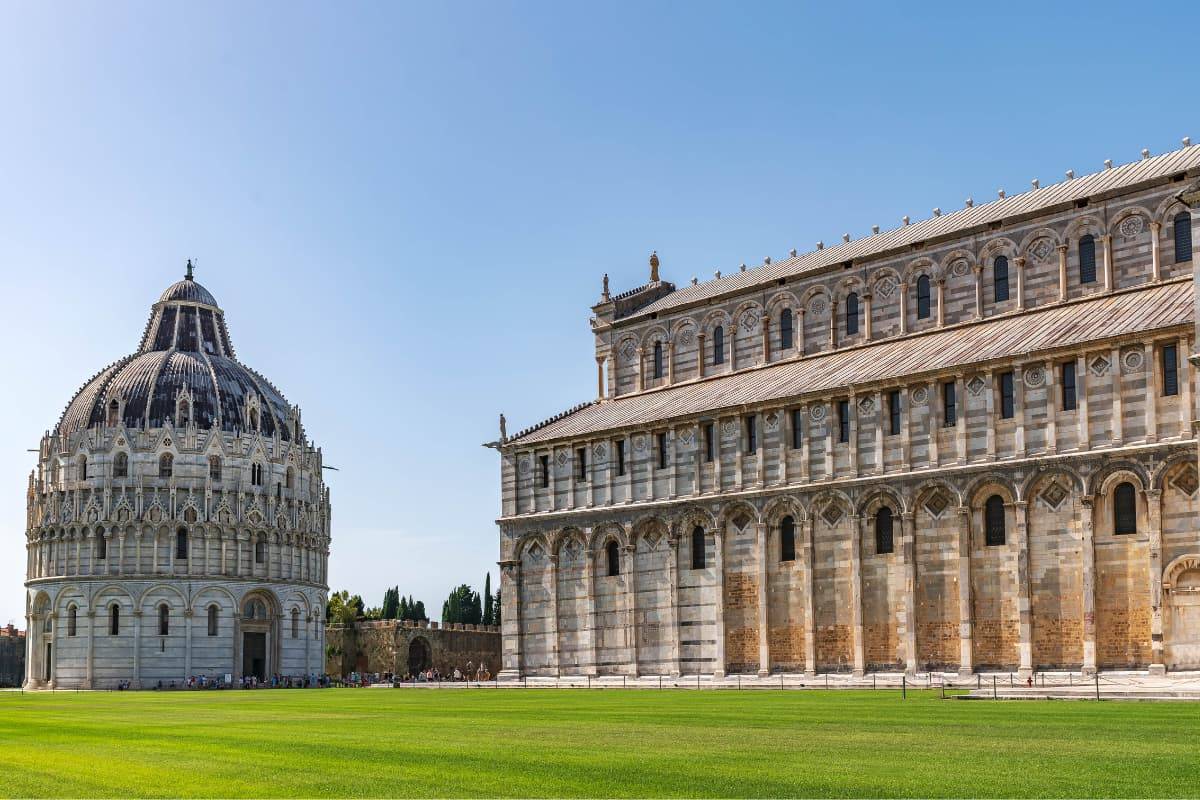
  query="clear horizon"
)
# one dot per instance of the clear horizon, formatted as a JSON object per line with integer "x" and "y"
{"x": 406, "y": 210}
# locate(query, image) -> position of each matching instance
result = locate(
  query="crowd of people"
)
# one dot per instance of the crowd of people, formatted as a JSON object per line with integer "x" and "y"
{"x": 247, "y": 682}
{"x": 434, "y": 675}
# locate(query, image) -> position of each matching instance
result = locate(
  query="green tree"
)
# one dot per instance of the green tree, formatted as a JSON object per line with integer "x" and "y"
{"x": 391, "y": 603}
{"x": 496, "y": 609}
{"x": 419, "y": 613}
{"x": 463, "y": 605}
{"x": 403, "y": 611}
{"x": 488, "y": 616}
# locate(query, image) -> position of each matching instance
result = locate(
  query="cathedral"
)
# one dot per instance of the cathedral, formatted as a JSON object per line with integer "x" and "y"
{"x": 965, "y": 443}
{"x": 178, "y": 523}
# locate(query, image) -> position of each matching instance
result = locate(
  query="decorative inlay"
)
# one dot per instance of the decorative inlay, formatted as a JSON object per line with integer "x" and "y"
{"x": 817, "y": 412}
{"x": 749, "y": 320}
{"x": 1041, "y": 250}
{"x": 959, "y": 268}
{"x": 1100, "y": 365}
{"x": 937, "y": 503}
{"x": 1132, "y": 226}
{"x": 562, "y": 458}
{"x": 885, "y": 286}
{"x": 976, "y": 385}
{"x": 629, "y": 351}
{"x": 639, "y": 443}
{"x": 772, "y": 421}
{"x": 600, "y": 451}
{"x": 1054, "y": 494}
{"x": 729, "y": 430}
{"x": 1034, "y": 377}
{"x": 1187, "y": 481}
{"x": 817, "y": 306}
{"x": 687, "y": 436}
{"x": 525, "y": 466}
{"x": 1133, "y": 360}
{"x": 920, "y": 396}
{"x": 832, "y": 513}
{"x": 687, "y": 336}
{"x": 741, "y": 521}
{"x": 535, "y": 552}
{"x": 651, "y": 539}
{"x": 866, "y": 405}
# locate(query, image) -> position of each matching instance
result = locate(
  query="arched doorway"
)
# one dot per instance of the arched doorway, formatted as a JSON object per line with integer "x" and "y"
{"x": 1182, "y": 586}
{"x": 258, "y": 629}
{"x": 420, "y": 656}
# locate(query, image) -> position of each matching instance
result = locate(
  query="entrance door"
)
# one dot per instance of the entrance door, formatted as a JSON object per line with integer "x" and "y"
{"x": 254, "y": 655}
{"x": 419, "y": 657}
{"x": 48, "y": 668}
{"x": 1183, "y": 624}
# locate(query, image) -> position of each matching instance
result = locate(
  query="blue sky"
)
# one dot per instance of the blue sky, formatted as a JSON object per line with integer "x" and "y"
{"x": 406, "y": 209}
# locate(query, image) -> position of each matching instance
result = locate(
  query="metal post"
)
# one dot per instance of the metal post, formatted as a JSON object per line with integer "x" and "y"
{"x": 872, "y": 681}
{"x": 994, "y": 697}
{"x": 781, "y": 680}
{"x": 739, "y": 682}
{"x": 903, "y": 687}
{"x": 1097, "y": 685}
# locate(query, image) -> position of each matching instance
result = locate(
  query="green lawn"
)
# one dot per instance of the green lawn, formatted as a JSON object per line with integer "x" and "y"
{"x": 610, "y": 743}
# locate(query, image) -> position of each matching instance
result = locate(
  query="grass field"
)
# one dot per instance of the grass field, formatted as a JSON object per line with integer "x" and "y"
{"x": 611, "y": 743}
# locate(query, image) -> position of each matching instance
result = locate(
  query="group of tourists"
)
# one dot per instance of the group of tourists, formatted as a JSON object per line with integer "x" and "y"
{"x": 434, "y": 675}
{"x": 247, "y": 682}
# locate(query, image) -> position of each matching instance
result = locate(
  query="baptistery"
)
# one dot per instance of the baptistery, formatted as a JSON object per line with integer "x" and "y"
{"x": 178, "y": 523}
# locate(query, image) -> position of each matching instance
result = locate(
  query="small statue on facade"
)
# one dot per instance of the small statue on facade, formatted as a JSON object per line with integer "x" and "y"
{"x": 503, "y": 428}
{"x": 604, "y": 294}
{"x": 654, "y": 267}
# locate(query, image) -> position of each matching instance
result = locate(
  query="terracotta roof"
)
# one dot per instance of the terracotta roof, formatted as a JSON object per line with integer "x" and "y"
{"x": 1041, "y": 330}
{"x": 1109, "y": 180}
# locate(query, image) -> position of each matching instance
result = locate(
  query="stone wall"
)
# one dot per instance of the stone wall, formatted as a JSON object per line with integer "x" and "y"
{"x": 388, "y": 645}
{"x": 12, "y": 657}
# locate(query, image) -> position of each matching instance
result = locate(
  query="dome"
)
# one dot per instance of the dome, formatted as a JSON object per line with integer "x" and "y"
{"x": 185, "y": 361}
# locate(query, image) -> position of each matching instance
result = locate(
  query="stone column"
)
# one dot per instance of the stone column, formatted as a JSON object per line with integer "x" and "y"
{"x": 933, "y": 423}
{"x": 880, "y": 421}
{"x": 867, "y": 328}
{"x": 90, "y": 674}
{"x": 641, "y": 376}
{"x": 555, "y": 665}
{"x": 187, "y": 644}
{"x": 857, "y": 532}
{"x": 673, "y": 583}
{"x": 941, "y": 302}
{"x": 1081, "y": 396}
{"x": 1089, "y": 584}
{"x": 1024, "y": 592}
{"x": 807, "y": 556}
{"x": 766, "y": 338}
{"x": 1155, "y": 251}
{"x": 731, "y": 344}
{"x": 978, "y": 270}
{"x": 631, "y": 626}
{"x": 764, "y": 644}
{"x": 137, "y": 648}
{"x": 600, "y": 377}
{"x": 1051, "y": 409}
{"x": 908, "y": 628}
{"x": 510, "y": 619}
{"x": 671, "y": 362}
{"x": 960, "y": 419}
{"x": 719, "y": 668}
{"x": 1062, "y": 271}
{"x": 1109, "y": 278}
{"x": 989, "y": 405}
{"x": 1154, "y": 512}
{"x": 852, "y": 445}
{"x": 1183, "y": 369}
{"x": 1019, "y": 410}
{"x": 966, "y": 658}
{"x": 1151, "y": 394}
{"x": 1118, "y": 413}
{"x": 905, "y": 430}
{"x": 903, "y": 308}
{"x": 589, "y": 589}
{"x": 799, "y": 333}
{"x": 700, "y": 354}
{"x": 54, "y": 626}
{"x": 833, "y": 317}
{"x": 1020, "y": 262}
{"x": 805, "y": 421}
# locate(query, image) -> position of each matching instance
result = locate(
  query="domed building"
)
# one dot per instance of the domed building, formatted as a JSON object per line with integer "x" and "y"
{"x": 178, "y": 524}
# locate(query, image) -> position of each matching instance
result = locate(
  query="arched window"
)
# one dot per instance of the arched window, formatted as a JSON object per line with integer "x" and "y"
{"x": 1087, "y": 259}
{"x": 993, "y": 521}
{"x": 884, "y": 541}
{"x": 114, "y": 410}
{"x": 101, "y": 546}
{"x": 166, "y": 465}
{"x": 851, "y": 313}
{"x": 658, "y": 360}
{"x": 787, "y": 539}
{"x": 295, "y": 623}
{"x": 83, "y": 468}
{"x": 923, "y": 297}
{"x": 181, "y": 544}
{"x": 256, "y": 474}
{"x": 256, "y": 609}
{"x": 718, "y": 345}
{"x": 260, "y": 551}
{"x": 1183, "y": 237}
{"x": 114, "y": 620}
{"x": 290, "y": 478}
{"x": 1000, "y": 278}
{"x": 698, "y": 548}
{"x": 614, "y": 558}
{"x": 212, "y": 620}
{"x": 164, "y": 619}
{"x": 214, "y": 468}
{"x": 1124, "y": 509}
{"x": 183, "y": 414}
{"x": 71, "y": 619}
{"x": 121, "y": 465}
{"x": 785, "y": 329}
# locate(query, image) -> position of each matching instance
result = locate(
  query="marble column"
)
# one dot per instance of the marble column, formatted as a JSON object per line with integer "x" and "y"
{"x": 810, "y": 622}
{"x": 858, "y": 533}
{"x": 1155, "y": 251}
{"x": 1062, "y": 271}
{"x": 631, "y": 609}
{"x": 908, "y": 551}
{"x": 510, "y": 619}
{"x": 555, "y": 666}
{"x": 1089, "y": 584}
{"x": 1154, "y": 513}
{"x": 764, "y": 646}
{"x": 966, "y": 623}
{"x": 1024, "y": 592}
{"x": 673, "y": 582}
{"x": 719, "y": 666}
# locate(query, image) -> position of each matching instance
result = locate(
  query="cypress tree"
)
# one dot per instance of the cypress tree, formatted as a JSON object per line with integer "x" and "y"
{"x": 487, "y": 600}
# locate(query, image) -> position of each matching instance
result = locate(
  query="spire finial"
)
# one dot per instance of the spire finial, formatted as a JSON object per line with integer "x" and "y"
{"x": 654, "y": 267}
{"x": 188, "y": 276}
{"x": 604, "y": 295}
